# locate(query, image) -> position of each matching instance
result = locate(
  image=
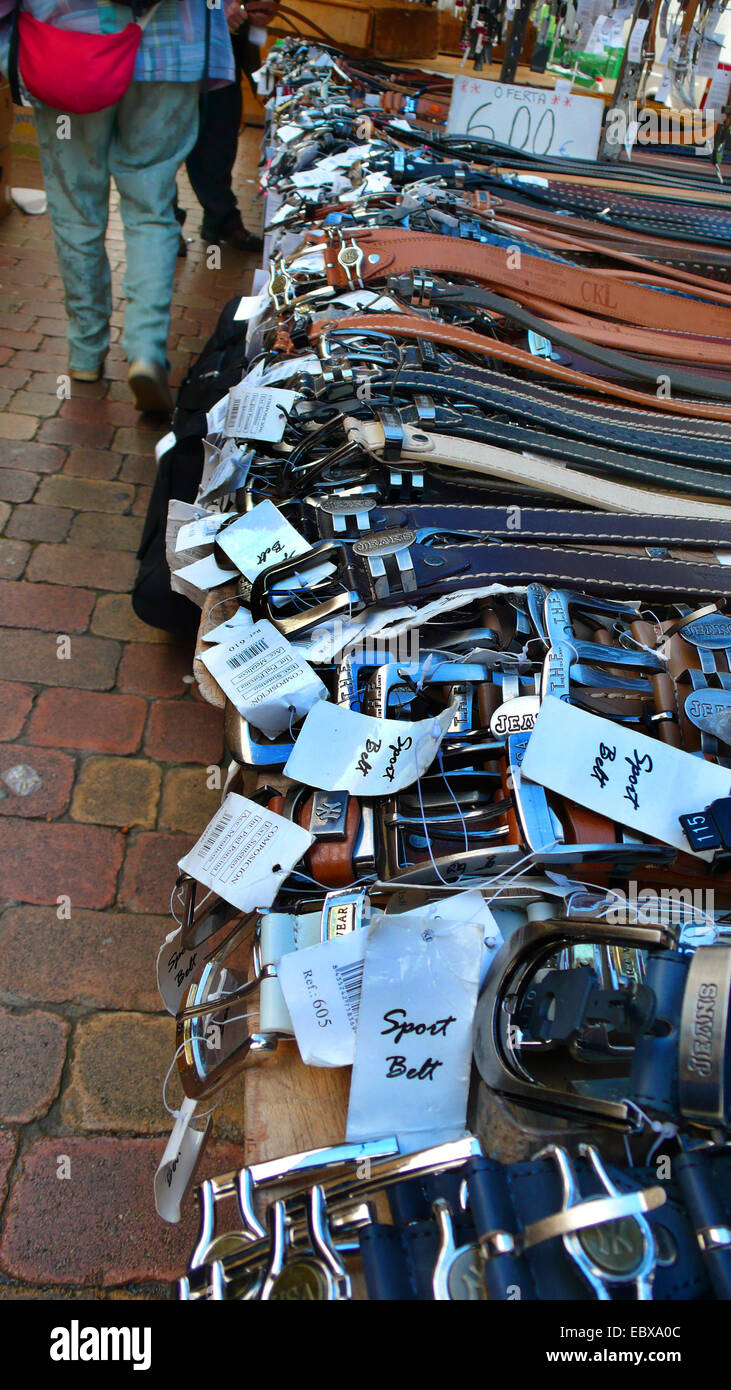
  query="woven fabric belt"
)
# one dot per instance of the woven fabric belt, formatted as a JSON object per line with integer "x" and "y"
{"x": 393, "y": 251}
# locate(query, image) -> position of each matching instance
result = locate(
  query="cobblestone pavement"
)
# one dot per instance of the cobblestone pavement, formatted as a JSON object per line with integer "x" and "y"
{"x": 104, "y": 744}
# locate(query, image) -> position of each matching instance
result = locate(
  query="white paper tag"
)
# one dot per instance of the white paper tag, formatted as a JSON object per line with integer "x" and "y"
{"x": 238, "y": 625}
{"x": 229, "y": 473}
{"x": 289, "y": 132}
{"x": 175, "y": 964}
{"x": 245, "y": 853}
{"x": 634, "y": 47}
{"x": 340, "y": 750}
{"x": 321, "y": 987}
{"x": 251, "y": 304}
{"x": 258, "y": 412}
{"x": 216, "y": 416}
{"x": 204, "y": 574}
{"x": 162, "y": 446}
{"x": 414, "y": 1039}
{"x": 624, "y": 775}
{"x": 178, "y": 1164}
{"x": 262, "y": 537}
{"x": 201, "y": 532}
{"x": 265, "y": 678}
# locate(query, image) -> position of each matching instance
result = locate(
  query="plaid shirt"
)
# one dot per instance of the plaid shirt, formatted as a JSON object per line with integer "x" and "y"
{"x": 173, "y": 42}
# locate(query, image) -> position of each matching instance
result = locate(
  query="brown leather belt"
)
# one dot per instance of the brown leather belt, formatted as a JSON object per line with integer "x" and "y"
{"x": 450, "y": 335}
{"x": 378, "y": 252}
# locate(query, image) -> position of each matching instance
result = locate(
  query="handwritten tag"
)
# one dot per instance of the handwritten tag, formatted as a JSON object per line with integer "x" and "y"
{"x": 414, "y": 1039}
{"x": 258, "y": 412}
{"x": 261, "y": 538}
{"x": 624, "y": 775}
{"x": 321, "y": 987}
{"x": 175, "y": 963}
{"x": 237, "y": 626}
{"x": 204, "y": 574}
{"x": 245, "y": 853}
{"x": 178, "y": 1164}
{"x": 366, "y": 756}
{"x": 267, "y": 681}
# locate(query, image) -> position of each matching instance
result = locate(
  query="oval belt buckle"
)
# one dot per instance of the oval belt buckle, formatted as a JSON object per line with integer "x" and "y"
{"x": 315, "y": 1275}
{"x": 458, "y": 1270}
{"x": 612, "y": 1252}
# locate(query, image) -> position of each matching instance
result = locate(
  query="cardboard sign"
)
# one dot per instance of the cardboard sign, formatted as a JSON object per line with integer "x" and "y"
{"x": 534, "y": 119}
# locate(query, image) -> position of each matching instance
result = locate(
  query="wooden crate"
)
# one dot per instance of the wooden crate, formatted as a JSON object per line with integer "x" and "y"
{"x": 378, "y": 28}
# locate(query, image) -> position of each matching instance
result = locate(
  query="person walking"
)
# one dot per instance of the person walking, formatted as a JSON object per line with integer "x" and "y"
{"x": 139, "y": 140}
{"x": 211, "y": 160}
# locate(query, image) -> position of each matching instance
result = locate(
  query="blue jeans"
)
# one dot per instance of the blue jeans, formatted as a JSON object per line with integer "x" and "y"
{"x": 140, "y": 142}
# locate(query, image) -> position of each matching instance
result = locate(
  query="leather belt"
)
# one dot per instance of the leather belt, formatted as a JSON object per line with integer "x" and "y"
{"x": 393, "y": 251}
{"x": 530, "y": 471}
{"x": 406, "y": 326}
{"x": 441, "y": 293}
{"x": 537, "y": 524}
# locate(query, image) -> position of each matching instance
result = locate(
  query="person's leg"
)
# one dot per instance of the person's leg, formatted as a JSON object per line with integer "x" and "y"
{"x": 76, "y": 178}
{"x": 213, "y": 155}
{"x": 155, "y": 128}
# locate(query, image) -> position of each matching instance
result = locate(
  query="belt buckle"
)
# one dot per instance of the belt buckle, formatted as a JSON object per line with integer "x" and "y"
{"x": 422, "y": 286}
{"x": 262, "y": 595}
{"x": 281, "y": 284}
{"x": 398, "y": 576}
{"x": 350, "y": 258}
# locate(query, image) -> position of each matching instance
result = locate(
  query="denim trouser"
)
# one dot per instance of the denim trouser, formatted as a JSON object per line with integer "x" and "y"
{"x": 140, "y": 142}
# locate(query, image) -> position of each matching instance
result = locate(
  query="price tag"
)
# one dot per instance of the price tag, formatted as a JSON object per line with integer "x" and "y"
{"x": 624, "y": 775}
{"x": 251, "y": 304}
{"x": 237, "y": 626}
{"x": 414, "y": 1039}
{"x": 216, "y": 416}
{"x": 634, "y": 47}
{"x": 365, "y": 756}
{"x": 201, "y": 532}
{"x": 245, "y": 853}
{"x": 321, "y": 987}
{"x": 179, "y": 1161}
{"x": 204, "y": 574}
{"x": 261, "y": 538}
{"x": 258, "y": 412}
{"x": 266, "y": 680}
{"x": 533, "y": 119}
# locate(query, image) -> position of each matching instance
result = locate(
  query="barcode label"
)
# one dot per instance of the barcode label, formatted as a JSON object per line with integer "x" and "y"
{"x": 246, "y": 654}
{"x": 215, "y": 830}
{"x": 350, "y": 984}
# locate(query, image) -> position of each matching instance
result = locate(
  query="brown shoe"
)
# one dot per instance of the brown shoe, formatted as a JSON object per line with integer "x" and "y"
{"x": 94, "y": 374}
{"x": 148, "y": 382}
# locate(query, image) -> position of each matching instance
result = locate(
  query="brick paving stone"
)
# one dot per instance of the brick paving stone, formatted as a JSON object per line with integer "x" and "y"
{"x": 138, "y": 468}
{"x": 117, "y": 791}
{"x": 34, "y": 403}
{"x": 187, "y": 803}
{"x": 155, "y": 671}
{"x": 98, "y": 1227}
{"x": 92, "y": 463}
{"x": 44, "y": 458}
{"x": 114, "y": 616}
{"x": 13, "y": 557}
{"x": 72, "y": 432}
{"x": 5, "y": 510}
{"x": 82, "y": 719}
{"x": 142, "y": 501}
{"x": 118, "y": 1067}
{"x": 106, "y": 532}
{"x": 98, "y": 959}
{"x": 41, "y": 863}
{"x": 35, "y": 523}
{"x": 32, "y": 1055}
{"x": 8, "y": 1150}
{"x": 51, "y": 607}
{"x": 86, "y": 494}
{"x": 17, "y": 426}
{"x": 56, "y": 771}
{"x": 184, "y": 733}
{"x": 34, "y": 656}
{"x": 75, "y": 564}
{"x": 17, "y": 487}
{"x": 150, "y": 870}
{"x": 15, "y": 703}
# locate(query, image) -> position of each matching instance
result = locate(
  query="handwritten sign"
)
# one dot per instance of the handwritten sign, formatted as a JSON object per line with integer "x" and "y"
{"x": 620, "y": 773}
{"x": 339, "y": 750}
{"x": 535, "y": 119}
{"x": 414, "y": 1037}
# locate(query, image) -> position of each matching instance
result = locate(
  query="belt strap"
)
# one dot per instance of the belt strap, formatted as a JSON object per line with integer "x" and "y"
{"x": 537, "y": 523}
{"x": 394, "y": 251}
{"x": 406, "y": 326}
{"x": 530, "y": 471}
